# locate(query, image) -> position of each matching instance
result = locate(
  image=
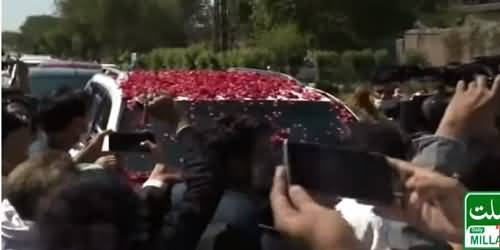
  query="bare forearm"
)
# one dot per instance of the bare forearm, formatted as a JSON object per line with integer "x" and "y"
{"x": 84, "y": 156}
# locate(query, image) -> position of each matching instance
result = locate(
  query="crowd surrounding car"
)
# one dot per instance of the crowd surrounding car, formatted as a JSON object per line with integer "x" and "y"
{"x": 110, "y": 111}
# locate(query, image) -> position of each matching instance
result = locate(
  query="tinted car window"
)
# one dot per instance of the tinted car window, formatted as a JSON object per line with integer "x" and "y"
{"x": 100, "y": 108}
{"x": 308, "y": 122}
{"x": 44, "y": 83}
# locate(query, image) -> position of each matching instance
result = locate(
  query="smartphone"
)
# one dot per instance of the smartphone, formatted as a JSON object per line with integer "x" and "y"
{"x": 286, "y": 162}
{"x": 130, "y": 142}
{"x": 342, "y": 172}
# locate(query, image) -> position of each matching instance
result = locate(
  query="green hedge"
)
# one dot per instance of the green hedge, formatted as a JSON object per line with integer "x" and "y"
{"x": 207, "y": 60}
{"x": 335, "y": 67}
{"x": 415, "y": 57}
{"x": 196, "y": 58}
{"x": 350, "y": 65}
{"x": 382, "y": 57}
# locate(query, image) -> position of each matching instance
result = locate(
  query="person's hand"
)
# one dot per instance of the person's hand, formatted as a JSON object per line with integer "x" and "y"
{"x": 93, "y": 150}
{"x": 157, "y": 151}
{"x": 163, "y": 108}
{"x": 108, "y": 162}
{"x": 95, "y": 143}
{"x": 166, "y": 175}
{"x": 299, "y": 217}
{"x": 433, "y": 204}
{"x": 472, "y": 111}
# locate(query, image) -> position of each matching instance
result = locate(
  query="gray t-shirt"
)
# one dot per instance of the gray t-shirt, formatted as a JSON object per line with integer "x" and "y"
{"x": 447, "y": 156}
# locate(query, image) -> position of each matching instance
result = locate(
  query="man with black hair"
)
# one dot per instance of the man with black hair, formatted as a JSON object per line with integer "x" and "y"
{"x": 111, "y": 218}
{"x": 63, "y": 120}
{"x": 114, "y": 216}
{"x": 26, "y": 187}
{"x": 241, "y": 144}
{"x": 245, "y": 154}
{"x": 241, "y": 147}
{"x": 219, "y": 159}
{"x": 184, "y": 225}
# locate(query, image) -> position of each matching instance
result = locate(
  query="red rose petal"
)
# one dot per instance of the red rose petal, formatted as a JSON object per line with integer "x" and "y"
{"x": 210, "y": 85}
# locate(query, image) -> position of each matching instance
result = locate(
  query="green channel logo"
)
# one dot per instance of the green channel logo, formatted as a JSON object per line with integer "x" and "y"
{"x": 482, "y": 221}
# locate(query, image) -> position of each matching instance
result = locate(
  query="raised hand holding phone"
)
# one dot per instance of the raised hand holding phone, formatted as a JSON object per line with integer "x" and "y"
{"x": 305, "y": 222}
{"x": 472, "y": 110}
{"x": 337, "y": 172}
{"x": 434, "y": 202}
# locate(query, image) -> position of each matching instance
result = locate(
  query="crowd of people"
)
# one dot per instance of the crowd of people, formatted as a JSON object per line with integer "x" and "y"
{"x": 54, "y": 199}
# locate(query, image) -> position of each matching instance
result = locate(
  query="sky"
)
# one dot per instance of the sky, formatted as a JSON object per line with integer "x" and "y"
{"x": 14, "y": 12}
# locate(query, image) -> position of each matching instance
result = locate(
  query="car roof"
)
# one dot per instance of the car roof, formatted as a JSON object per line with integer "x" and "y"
{"x": 60, "y": 71}
{"x": 70, "y": 64}
{"x": 35, "y": 57}
{"x": 113, "y": 83}
{"x": 109, "y": 65}
{"x": 263, "y": 72}
{"x": 108, "y": 83}
{"x": 113, "y": 86}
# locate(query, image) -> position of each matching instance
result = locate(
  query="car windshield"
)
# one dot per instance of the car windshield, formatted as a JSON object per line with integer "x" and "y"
{"x": 43, "y": 84}
{"x": 318, "y": 122}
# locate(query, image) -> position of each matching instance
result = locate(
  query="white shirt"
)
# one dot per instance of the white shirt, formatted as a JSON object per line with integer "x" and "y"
{"x": 375, "y": 232}
{"x": 17, "y": 234}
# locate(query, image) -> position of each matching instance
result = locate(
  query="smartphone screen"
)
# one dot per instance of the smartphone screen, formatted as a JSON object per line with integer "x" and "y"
{"x": 130, "y": 142}
{"x": 342, "y": 172}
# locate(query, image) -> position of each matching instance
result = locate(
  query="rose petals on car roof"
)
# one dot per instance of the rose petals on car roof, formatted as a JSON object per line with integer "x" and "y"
{"x": 204, "y": 85}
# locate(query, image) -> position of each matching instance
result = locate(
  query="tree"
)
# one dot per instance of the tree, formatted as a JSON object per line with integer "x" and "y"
{"x": 221, "y": 25}
{"x": 342, "y": 24}
{"x": 415, "y": 58}
{"x": 199, "y": 25}
{"x": 437, "y": 13}
{"x": 11, "y": 40}
{"x": 287, "y": 43}
{"x": 56, "y": 42}
{"x": 34, "y": 28}
{"x": 116, "y": 26}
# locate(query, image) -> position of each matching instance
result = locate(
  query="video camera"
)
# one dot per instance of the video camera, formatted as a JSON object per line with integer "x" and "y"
{"x": 423, "y": 113}
{"x": 450, "y": 74}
